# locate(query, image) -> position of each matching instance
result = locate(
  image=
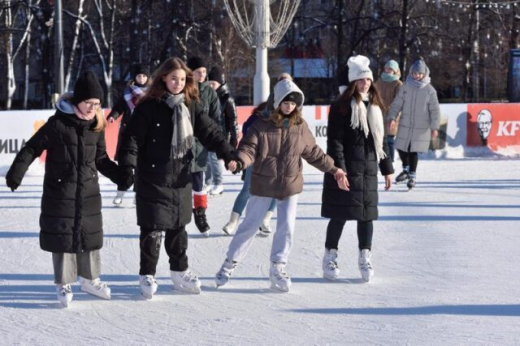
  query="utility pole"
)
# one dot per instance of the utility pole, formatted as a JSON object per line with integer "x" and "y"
{"x": 261, "y": 80}
{"x": 58, "y": 49}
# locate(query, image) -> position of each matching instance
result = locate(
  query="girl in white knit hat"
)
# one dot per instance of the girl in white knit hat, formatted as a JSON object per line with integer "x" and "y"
{"x": 356, "y": 142}
{"x": 274, "y": 148}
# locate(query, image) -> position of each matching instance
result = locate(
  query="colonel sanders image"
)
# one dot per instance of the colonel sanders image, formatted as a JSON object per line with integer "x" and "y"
{"x": 484, "y": 124}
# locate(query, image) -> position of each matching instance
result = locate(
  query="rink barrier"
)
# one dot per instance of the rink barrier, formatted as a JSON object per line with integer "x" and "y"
{"x": 495, "y": 126}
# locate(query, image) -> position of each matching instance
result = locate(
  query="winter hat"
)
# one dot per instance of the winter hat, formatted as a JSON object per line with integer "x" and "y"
{"x": 286, "y": 90}
{"x": 216, "y": 75}
{"x": 358, "y": 68}
{"x": 393, "y": 65}
{"x": 195, "y": 62}
{"x": 87, "y": 87}
{"x": 419, "y": 67}
{"x": 140, "y": 69}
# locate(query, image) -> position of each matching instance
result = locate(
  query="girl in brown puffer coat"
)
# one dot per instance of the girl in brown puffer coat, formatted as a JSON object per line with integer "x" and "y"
{"x": 274, "y": 148}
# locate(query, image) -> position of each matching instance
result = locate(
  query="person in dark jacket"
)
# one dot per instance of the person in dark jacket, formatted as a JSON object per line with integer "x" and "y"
{"x": 158, "y": 142}
{"x": 274, "y": 149}
{"x": 201, "y": 162}
{"x": 71, "y": 225}
{"x": 356, "y": 142}
{"x": 124, "y": 108}
{"x": 227, "y": 105}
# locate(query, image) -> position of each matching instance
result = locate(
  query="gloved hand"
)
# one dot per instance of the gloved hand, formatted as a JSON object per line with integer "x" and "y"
{"x": 126, "y": 178}
{"x": 13, "y": 185}
{"x": 240, "y": 167}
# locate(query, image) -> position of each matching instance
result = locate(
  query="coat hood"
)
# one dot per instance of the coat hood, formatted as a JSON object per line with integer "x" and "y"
{"x": 285, "y": 87}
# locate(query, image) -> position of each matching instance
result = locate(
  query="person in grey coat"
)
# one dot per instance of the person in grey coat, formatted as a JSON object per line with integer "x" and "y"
{"x": 419, "y": 123}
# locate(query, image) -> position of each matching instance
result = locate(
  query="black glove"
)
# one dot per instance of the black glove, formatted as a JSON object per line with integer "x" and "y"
{"x": 13, "y": 185}
{"x": 243, "y": 177}
{"x": 240, "y": 166}
{"x": 126, "y": 178}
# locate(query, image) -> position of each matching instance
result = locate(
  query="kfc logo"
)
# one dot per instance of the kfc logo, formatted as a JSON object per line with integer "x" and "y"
{"x": 484, "y": 124}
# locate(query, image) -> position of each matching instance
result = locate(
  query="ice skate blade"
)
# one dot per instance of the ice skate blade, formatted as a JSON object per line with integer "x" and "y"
{"x": 182, "y": 289}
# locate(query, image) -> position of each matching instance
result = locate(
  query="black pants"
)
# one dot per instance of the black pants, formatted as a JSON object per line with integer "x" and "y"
{"x": 409, "y": 159}
{"x": 175, "y": 243}
{"x": 365, "y": 231}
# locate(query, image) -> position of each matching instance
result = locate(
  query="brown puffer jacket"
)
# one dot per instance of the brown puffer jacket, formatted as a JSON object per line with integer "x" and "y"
{"x": 276, "y": 156}
{"x": 388, "y": 91}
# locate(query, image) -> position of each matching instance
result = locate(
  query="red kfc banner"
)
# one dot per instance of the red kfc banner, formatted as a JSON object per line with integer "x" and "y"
{"x": 493, "y": 125}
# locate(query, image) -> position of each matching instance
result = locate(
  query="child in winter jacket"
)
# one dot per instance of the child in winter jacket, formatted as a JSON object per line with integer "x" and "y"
{"x": 356, "y": 141}
{"x": 244, "y": 195}
{"x": 274, "y": 148}
{"x": 124, "y": 108}
{"x": 158, "y": 142}
{"x": 71, "y": 222}
{"x": 419, "y": 123}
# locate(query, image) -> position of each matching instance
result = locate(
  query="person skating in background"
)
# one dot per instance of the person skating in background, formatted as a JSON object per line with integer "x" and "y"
{"x": 419, "y": 122}
{"x": 202, "y": 159}
{"x": 274, "y": 147}
{"x": 124, "y": 108}
{"x": 227, "y": 107}
{"x": 158, "y": 143}
{"x": 388, "y": 86}
{"x": 244, "y": 194}
{"x": 356, "y": 142}
{"x": 71, "y": 225}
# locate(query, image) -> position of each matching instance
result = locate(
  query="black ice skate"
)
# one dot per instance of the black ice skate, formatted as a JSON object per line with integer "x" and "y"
{"x": 200, "y": 220}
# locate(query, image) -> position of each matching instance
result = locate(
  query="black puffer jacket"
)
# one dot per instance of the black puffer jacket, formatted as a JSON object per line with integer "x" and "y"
{"x": 355, "y": 154}
{"x": 163, "y": 185}
{"x": 229, "y": 114}
{"x": 71, "y": 219}
{"x": 211, "y": 105}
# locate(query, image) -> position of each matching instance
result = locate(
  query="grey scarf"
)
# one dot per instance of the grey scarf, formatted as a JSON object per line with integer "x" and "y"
{"x": 182, "y": 138}
{"x": 419, "y": 83}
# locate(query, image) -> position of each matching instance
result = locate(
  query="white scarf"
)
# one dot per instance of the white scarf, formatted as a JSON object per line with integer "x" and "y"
{"x": 361, "y": 118}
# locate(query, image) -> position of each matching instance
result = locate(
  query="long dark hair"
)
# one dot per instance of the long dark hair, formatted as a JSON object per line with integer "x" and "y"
{"x": 374, "y": 98}
{"x": 295, "y": 118}
{"x": 158, "y": 87}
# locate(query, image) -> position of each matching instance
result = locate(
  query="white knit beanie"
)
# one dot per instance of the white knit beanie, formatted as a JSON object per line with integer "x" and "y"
{"x": 359, "y": 68}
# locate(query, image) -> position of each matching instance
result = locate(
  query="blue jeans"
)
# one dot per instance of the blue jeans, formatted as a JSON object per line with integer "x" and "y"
{"x": 243, "y": 196}
{"x": 390, "y": 141}
{"x": 214, "y": 170}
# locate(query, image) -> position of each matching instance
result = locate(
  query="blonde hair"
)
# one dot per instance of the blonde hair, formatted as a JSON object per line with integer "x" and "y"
{"x": 100, "y": 122}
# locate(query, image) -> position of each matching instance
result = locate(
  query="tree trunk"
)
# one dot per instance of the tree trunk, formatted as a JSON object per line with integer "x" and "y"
{"x": 77, "y": 28}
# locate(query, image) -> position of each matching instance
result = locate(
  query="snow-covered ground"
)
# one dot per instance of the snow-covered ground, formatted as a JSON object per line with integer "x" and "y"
{"x": 446, "y": 259}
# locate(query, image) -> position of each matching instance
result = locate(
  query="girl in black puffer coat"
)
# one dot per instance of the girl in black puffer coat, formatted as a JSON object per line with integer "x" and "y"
{"x": 158, "y": 142}
{"x": 356, "y": 142}
{"x": 71, "y": 223}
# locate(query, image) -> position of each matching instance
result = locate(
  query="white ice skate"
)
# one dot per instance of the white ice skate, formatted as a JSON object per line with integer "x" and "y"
{"x": 148, "y": 285}
{"x": 216, "y": 190}
{"x": 119, "y": 198}
{"x": 95, "y": 287}
{"x": 330, "y": 264}
{"x": 64, "y": 293}
{"x": 265, "y": 228}
{"x": 225, "y": 273}
{"x": 280, "y": 280}
{"x": 230, "y": 227}
{"x": 185, "y": 282}
{"x": 365, "y": 266}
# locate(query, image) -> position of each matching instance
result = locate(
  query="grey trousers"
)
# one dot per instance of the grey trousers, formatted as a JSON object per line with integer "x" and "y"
{"x": 255, "y": 212}
{"x": 68, "y": 266}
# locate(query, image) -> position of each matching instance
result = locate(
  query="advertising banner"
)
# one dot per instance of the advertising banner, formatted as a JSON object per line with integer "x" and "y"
{"x": 495, "y": 125}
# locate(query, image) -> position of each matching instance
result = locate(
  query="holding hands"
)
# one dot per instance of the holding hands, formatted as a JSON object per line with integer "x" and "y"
{"x": 126, "y": 177}
{"x": 235, "y": 166}
{"x": 341, "y": 178}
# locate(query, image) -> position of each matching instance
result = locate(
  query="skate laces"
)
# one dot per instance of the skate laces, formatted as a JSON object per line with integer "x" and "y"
{"x": 364, "y": 260}
{"x": 148, "y": 280}
{"x": 96, "y": 283}
{"x": 64, "y": 289}
{"x": 278, "y": 271}
{"x": 187, "y": 276}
